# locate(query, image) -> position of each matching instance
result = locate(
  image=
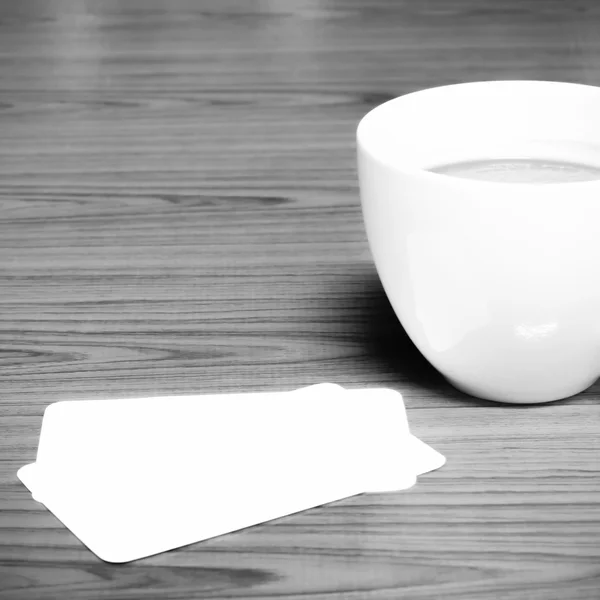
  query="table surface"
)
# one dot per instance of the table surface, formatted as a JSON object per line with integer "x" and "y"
{"x": 179, "y": 214}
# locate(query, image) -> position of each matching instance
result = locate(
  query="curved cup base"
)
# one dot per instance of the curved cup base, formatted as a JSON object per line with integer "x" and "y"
{"x": 510, "y": 397}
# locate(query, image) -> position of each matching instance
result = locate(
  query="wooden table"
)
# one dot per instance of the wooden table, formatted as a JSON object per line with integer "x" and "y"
{"x": 179, "y": 214}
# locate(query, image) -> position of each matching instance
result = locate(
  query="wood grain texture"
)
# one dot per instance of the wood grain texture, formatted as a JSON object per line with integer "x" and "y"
{"x": 179, "y": 214}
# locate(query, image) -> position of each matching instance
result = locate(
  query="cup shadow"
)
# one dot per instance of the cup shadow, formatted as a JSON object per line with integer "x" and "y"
{"x": 386, "y": 342}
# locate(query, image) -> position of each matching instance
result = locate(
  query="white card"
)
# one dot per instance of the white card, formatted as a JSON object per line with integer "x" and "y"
{"x": 132, "y": 478}
{"x": 124, "y": 525}
{"x": 101, "y": 432}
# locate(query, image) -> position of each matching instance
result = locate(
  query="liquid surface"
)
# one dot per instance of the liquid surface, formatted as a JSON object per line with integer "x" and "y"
{"x": 520, "y": 171}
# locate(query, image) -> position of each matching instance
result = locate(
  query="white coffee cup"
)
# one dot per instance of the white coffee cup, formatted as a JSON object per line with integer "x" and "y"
{"x": 497, "y": 284}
